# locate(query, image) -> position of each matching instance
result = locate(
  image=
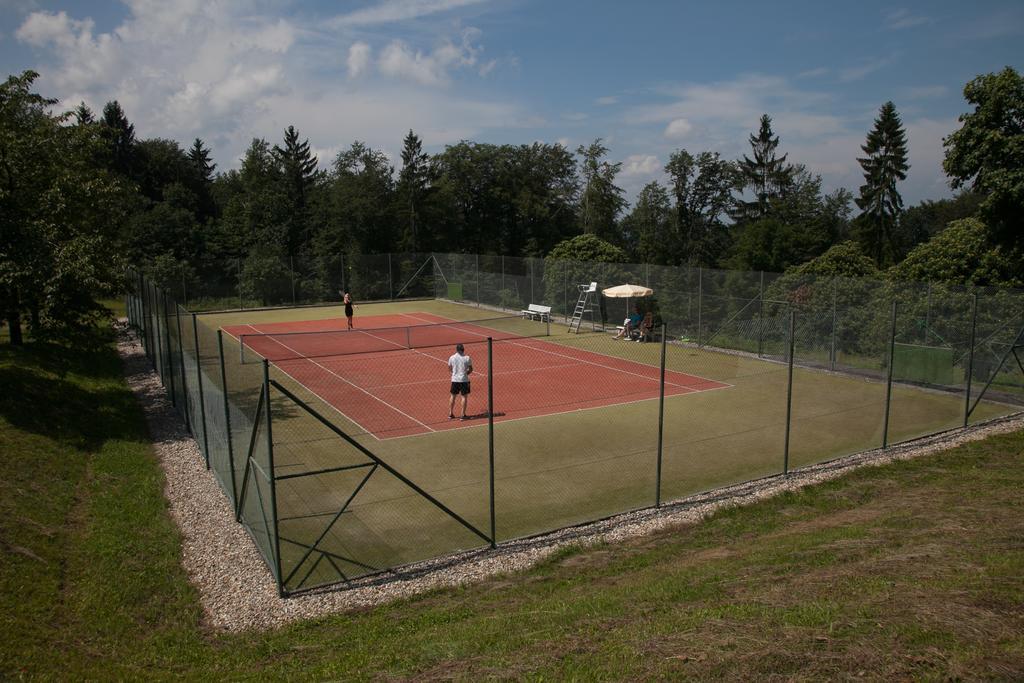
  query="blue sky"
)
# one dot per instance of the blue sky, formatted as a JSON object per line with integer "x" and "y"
{"x": 647, "y": 77}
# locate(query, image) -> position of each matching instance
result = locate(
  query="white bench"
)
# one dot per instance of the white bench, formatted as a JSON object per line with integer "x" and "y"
{"x": 542, "y": 313}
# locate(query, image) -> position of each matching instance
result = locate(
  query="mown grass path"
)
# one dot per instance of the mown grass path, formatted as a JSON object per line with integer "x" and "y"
{"x": 909, "y": 570}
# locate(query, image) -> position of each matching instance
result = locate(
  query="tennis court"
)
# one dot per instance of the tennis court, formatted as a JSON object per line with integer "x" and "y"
{"x": 390, "y": 377}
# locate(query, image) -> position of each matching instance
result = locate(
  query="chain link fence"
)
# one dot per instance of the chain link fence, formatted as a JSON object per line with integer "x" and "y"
{"x": 342, "y": 463}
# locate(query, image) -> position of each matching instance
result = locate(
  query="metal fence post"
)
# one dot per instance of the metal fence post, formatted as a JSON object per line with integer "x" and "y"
{"x": 199, "y": 380}
{"x": 291, "y": 273}
{"x": 970, "y": 359}
{"x": 760, "y": 318}
{"x": 273, "y": 476}
{"x": 184, "y": 384}
{"x": 700, "y": 302}
{"x": 789, "y": 389}
{"x": 661, "y": 416}
{"x": 227, "y": 416}
{"x": 888, "y": 379}
{"x": 239, "y": 271}
{"x": 170, "y": 353}
{"x": 532, "y": 299}
{"x": 490, "y": 434}
{"x": 391, "y": 286}
{"x": 143, "y": 323}
{"x": 927, "y": 315}
{"x": 477, "y": 279}
{"x": 565, "y": 289}
{"x": 342, "y": 257}
{"x": 832, "y": 354}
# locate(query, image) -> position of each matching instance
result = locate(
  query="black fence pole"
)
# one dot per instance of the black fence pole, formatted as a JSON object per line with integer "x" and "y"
{"x": 661, "y": 416}
{"x": 227, "y": 415}
{"x": 143, "y": 324}
{"x": 184, "y": 384}
{"x": 970, "y": 359}
{"x": 169, "y": 356}
{"x": 888, "y": 379}
{"x": 199, "y": 381}
{"x": 789, "y": 389}
{"x": 273, "y": 477}
{"x": 760, "y": 318}
{"x": 490, "y": 434}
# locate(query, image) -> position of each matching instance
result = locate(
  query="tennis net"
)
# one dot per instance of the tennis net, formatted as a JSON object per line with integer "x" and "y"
{"x": 279, "y": 346}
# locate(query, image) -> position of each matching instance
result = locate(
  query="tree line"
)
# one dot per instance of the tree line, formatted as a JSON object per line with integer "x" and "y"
{"x": 81, "y": 196}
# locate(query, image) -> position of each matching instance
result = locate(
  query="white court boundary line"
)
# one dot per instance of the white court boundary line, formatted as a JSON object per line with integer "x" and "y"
{"x": 329, "y": 371}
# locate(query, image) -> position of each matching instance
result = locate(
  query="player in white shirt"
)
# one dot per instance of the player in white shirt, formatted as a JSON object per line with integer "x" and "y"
{"x": 462, "y": 367}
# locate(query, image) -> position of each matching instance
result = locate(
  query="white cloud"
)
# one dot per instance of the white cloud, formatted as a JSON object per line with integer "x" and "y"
{"x": 399, "y": 60}
{"x": 397, "y": 10}
{"x": 898, "y": 19}
{"x": 678, "y": 128}
{"x": 358, "y": 59}
{"x": 641, "y": 165}
{"x": 605, "y": 101}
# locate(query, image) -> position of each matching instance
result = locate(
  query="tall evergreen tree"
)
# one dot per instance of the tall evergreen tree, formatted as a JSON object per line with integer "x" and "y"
{"x": 413, "y": 183}
{"x": 84, "y": 115}
{"x": 298, "y": 166}
{"x": 767, "y": 175}
{"x": 884, "y": 165}
{"x": 120, "y": 136}
{"x": 199, "y": 155}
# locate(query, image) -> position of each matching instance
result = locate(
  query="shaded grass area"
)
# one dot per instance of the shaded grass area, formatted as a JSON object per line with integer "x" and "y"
{"x": 909, "y": 570}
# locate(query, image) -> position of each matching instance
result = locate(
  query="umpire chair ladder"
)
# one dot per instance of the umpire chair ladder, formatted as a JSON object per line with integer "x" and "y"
{"x": 581, "y": 306}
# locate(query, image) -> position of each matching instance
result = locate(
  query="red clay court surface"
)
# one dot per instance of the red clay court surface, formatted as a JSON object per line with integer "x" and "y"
{"x": 405, "y": 391}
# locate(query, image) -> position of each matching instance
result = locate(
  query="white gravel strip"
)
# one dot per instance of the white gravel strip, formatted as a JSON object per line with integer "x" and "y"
{"x": 237, "y": 589}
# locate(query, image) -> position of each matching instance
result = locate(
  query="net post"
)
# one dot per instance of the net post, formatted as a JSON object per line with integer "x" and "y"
{"x": 789, "y": 390}
{"x": 661, "y": 415}
{"x": 184, "y": 384}
{"x": 241, "y": 348}
{"x": 888, "y": 379}
{"x": 273, "y": 477}
{"x": 199, "y": 384}
{"x": 227, "y": 414}
{"x": 970, "y": 359}
{"x": 490, "y": 434}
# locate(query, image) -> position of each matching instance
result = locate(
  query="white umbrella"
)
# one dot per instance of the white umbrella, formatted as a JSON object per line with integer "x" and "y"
{"x": 626, "y": 292}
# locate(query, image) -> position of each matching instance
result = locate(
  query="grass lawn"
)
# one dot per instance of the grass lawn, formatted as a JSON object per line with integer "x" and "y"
{"x": 912, "y": 570}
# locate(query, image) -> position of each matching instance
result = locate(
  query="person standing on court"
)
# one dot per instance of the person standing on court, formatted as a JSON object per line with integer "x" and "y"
{"x": 348, "y": 308}
{"x": 461, "y": 366}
